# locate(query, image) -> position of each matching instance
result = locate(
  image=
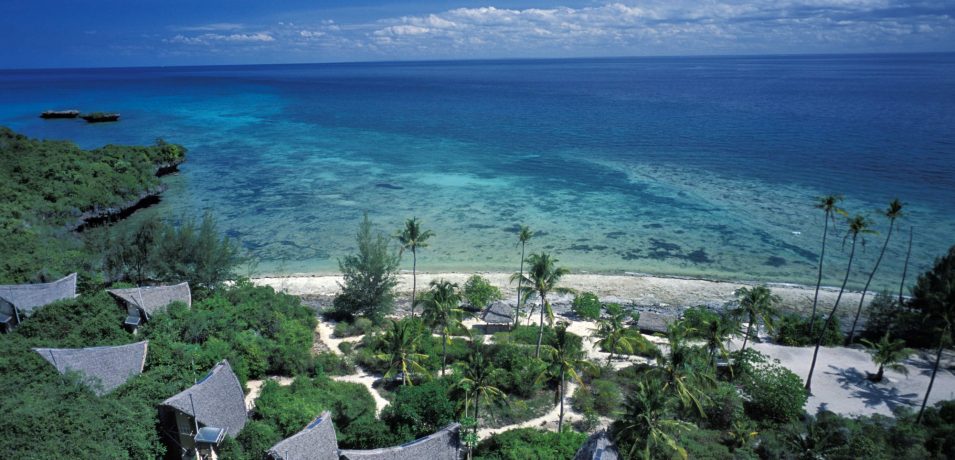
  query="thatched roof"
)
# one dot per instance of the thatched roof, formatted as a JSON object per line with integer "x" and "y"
{"x": 653, "y": 322}
{"x": 597, "y": 447}
{"x": 442, "y": 445}
{"x": 498, "y": 313}
{"x": 27, "y": 297}
{"x": 151, "y": 299}
{"x": 104, "y": 368}
{"x": 316, "y": 442}
{"x": 218, "y": 398}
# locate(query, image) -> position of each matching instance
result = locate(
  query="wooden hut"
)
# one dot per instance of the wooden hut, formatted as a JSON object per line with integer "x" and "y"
{"x": 497, "y": 317}
{"x": 141, "y": 303}
{"x": 103, "y": 368}
{"x": 17, "y": 301}
{"x": 316, "y": 442}
{"x": 201, "y": 416}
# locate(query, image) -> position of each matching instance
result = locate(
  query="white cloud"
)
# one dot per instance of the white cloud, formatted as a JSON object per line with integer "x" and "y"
{"x": 214, "y": 27}
{"x": 205, "y": 39}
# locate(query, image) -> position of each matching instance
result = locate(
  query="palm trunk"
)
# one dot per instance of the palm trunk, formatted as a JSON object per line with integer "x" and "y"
{"x": 822, "y": 255}
{"x": 869, "y": 281}
{"x": 880, "y": 373}
{"x": 825, "y": 327}
{"x": 520, "y": 282}
{"x": 444, "y": 352}
{"x": 938, "y": 359}
{"x": 749, "y": 330}
{"x": 477, "y": 406}
{"x": 613, "y": 346}
{"x": 540, "y": 333}
{"x": 414, "y": 278}
{"x": 905, "y": 268}
{"x": 560, "y": 419}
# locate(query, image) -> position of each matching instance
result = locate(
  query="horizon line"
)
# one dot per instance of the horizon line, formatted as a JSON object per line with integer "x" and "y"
{"x": 501, "y": 59}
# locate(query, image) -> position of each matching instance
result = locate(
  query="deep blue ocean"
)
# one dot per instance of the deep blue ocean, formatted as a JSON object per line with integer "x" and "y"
{"x": 680, "y": 166}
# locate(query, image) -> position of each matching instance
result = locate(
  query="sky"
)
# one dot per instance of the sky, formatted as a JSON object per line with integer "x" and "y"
{"x": 116, "y": 33}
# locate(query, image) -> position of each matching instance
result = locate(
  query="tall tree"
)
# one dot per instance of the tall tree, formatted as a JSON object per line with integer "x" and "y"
{"x": 612, "y": 333}
{"x": 681, "y": 370}
{"x": 934, "y": 295}
{"x": 716, "y": 333}
{"x": 411, "y": 238}
{"x": 887, "y": 353}
{"x": 647, "y": 424}
{"x": 401, "y": 351}
{"x": 894, "y": 211}
{"x": 858, "y": 227}
{"x": 905, "y": 267}
{"x": 829, "y": 204}
{"x": 523, "y": 236}
{"x": 478, "y": 376}
{"x": 542, "y": 278}
{"x": 757, "y": 304}
{"x": 441, "y": 310}
{"x": 369, "y": 275}
{"x": 566, "y": 358}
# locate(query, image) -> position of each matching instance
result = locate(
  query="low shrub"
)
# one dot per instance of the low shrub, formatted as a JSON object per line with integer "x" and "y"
{"x": 771, "y": 392}
{"x": 792, "y": 330}
{"x": 332, "y": 364}
{"x": 698, "y": 319}
{"x": 479, "y": 292}
{"x": 359, "y": 326}
{"x": 419, "y": 410}
{"x": 530, "y": 444}
{"x": 587, "y": 306}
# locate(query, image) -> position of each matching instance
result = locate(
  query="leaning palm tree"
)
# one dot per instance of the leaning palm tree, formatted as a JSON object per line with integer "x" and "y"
{"x": 648, "y": 425}
{"x": 858, "y": 227}
{"x": 523, "y": 236}
{"x": 888, "y": 353}
{"x": 477, "y": 377}
{"x": 829, "y": 204}
{"x": 894, "y": 211}
{"x": 613, "y": 335}
{"x": 401, "y": 351}
{"x": 757, "y": 304}
{"x": 441, "y": 310}
{"x": 680, "y": 370}
{"x": 412, "y": 237}
{"x": 716, "y": 333}
{"x": 541, "y": 279}
{"x": 934, "y": 295}
{"x": 566, "y": 358}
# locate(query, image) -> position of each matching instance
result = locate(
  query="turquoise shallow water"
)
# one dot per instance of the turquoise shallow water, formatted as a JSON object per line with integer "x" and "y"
{"x": 678, "y": 166}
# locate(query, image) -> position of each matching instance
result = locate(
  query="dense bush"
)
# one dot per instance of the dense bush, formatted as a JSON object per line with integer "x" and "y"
{"x": 601, "y": 396}
{"x": 332, "y": 364}
{"x": 587, "y": 306}
{"x": 521, "y": 368}
{"x": 360, "y": 326}
{"x": 530, "y": 444}
{"x": 419, "y": 410}
{"x": 479, "y": 292}
{"x": 793, "y": 330}
{"x": 771, "y": 391}
{"x": 370, "y": 276}
{"x": 697, "y": 319}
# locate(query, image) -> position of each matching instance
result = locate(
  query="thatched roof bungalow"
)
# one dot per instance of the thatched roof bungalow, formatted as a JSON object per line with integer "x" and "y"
{"x": 104, "y": 368}
{"x": 497, "y": 317}
{"x": 20, "y": 300}
{"x": 316, "y": 442}
{"x": 442, "y": 445}
{"x": 142, "y": 302}
{"x": 204, "y": 413}
{"x": 597, "y": 447}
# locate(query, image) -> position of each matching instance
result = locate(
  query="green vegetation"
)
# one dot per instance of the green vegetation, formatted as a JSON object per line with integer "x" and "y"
{"x": 524, "y": 235}
{"x": 613, "y": 336}
{"x": 756, "y": 305}
{"x": 888, "y": 353}
{"x": 587, "y": 306}
{"x": 792, "y": 330}
{"x": 479, "y": 292}
{"x": 830, "y": 205}
{"x": 529, "y": 444}
{"x": 370, "y": 277}
{"x": 49, "y": 187}
{"x": 893, "y": 212}
{"x": 541, "y": 279}
{"x": 442, "y": 312}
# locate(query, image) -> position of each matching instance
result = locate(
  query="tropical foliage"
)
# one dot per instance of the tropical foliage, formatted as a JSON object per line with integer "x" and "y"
{"x": 370, "y": 276}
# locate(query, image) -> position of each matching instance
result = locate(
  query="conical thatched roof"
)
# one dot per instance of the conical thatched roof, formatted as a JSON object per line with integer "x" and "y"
{"x": 316, "y": 442}
{"x": 218, "y": 398}
{"x": 104, "y": 368}
{"x": 442, "y": 445}
{"x": 597, "y": 447}
{"x": 28, "y": 297}
{"x": 498, "y": 313}
{"x": 154, "y": 298}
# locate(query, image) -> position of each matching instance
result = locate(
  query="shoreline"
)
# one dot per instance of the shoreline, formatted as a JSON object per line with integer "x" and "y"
{"x": 640, "y": 289}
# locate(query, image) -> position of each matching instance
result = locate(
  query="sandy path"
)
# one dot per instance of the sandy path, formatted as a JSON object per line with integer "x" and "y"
{"x": 255, "y": 388}
{"x": 368, "y": 380}
{"x": 547, "y": 421}
{"x": 643, "y": 290}
{"x": 325, "y": 330}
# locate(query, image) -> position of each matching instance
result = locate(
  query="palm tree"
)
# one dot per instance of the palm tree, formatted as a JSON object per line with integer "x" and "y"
{"x": 905, "y": 267}
{"x": 477, "y": 377}
{"x": 934, "y": 295}
{"x": 894, "y": 211}
{"x": 613, "y": 334}
{"x": 828, "y": 204}
{"x": 566, "y": 357}
{"x": 541, "y": 279}
{"x": 646, "y": 418}
{"x": 681, "y": 373}
{"x": 440, "y": 310}
{"x": 523, "y": 236}
{"x": 888, "y": 353}
{"x": 412, "y": 237}
{"x": 716, "y": 333}
{"x": 944, "y": 339}
{"x": 401, "y": 350}
{"x": 858, "y": 225}
{"x": 755, "y": 305}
